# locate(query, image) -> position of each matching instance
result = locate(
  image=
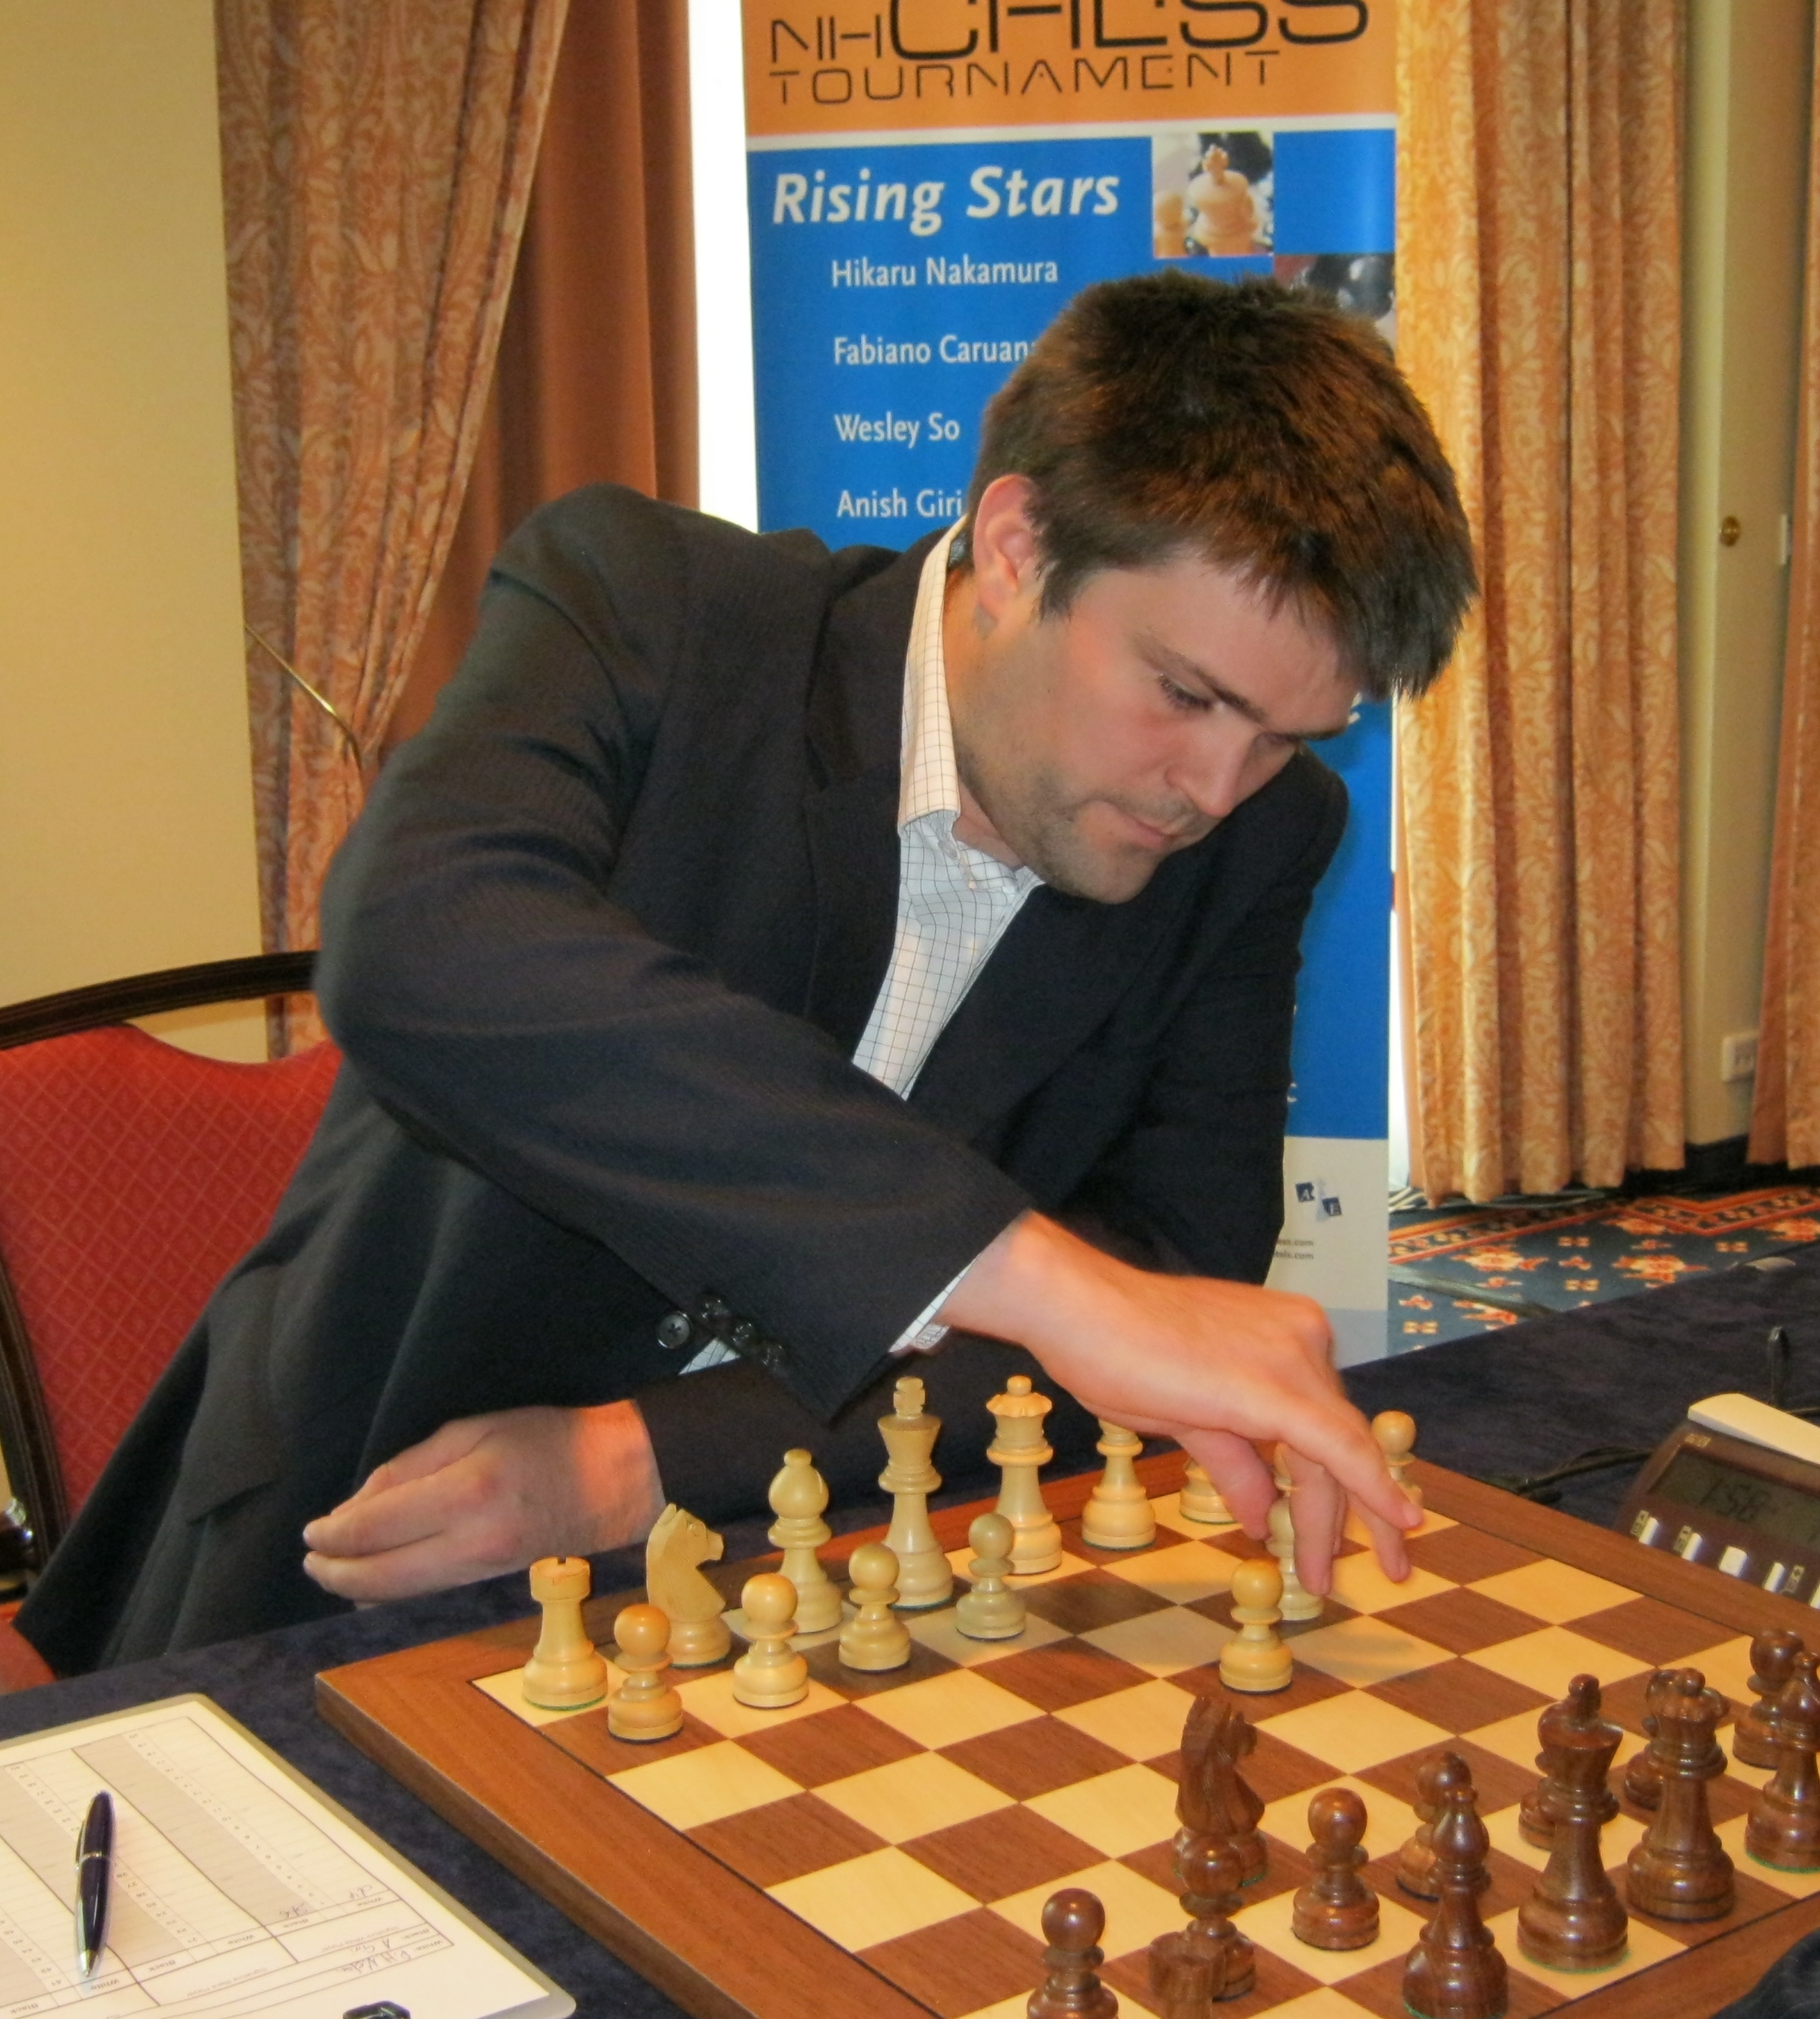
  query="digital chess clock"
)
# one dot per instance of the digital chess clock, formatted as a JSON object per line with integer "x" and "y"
{"x": 1736, "y": 1488}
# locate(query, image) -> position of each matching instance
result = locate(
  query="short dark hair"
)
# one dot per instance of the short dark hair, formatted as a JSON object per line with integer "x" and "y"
{"x": 1259, "y": 428}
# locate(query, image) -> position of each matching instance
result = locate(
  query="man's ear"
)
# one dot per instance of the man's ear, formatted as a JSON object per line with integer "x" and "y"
{"x": 1007, "y": 561}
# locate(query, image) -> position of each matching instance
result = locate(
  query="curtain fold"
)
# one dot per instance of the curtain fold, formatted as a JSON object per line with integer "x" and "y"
{"x": 596, "y": 377}
{"x": 376, "y": 160}
{"x": 1785, "y": 1120}
{"x": 1538, "y": 315}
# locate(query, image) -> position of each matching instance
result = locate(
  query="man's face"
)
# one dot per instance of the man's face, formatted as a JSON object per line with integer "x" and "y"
{"x": 1090, "y": 746}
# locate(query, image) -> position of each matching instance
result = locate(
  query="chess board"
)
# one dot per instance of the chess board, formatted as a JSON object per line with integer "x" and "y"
{"x": 883, "y": 1850}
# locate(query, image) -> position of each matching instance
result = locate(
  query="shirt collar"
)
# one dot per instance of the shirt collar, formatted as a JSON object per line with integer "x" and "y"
{"x": 931, "y": 783}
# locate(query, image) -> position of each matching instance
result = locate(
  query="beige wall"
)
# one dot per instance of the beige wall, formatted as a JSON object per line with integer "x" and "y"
{"x": 126, "y": 836}
{"x": 1747, "y": 141}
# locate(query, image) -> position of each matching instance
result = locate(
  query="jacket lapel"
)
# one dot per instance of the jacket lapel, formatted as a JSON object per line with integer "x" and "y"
{"x": 1051, "y": 981}
{"x": 855, "y": 731}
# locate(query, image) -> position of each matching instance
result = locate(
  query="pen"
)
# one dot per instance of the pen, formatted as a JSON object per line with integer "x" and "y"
{"x": 94, "y": 1875}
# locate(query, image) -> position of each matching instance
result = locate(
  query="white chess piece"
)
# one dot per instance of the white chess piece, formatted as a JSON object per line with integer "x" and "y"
{"x": 1298, "y": 1602}
{"x": 1118, "y": 1514}
{"x": 1200, "y": 1499}
{"x": 645, "y": 1706}
{"x": 1395, "y": 1431}
{"x": 1019, "y": 1450}
{"x": 874, "y": 1637}
{"x": 798, "y": 1496}
{"x": 770, "y": 1674}
{"x": 565, "y": 1670}
{"x": 991, "y": 1610}
{"x": 1256, "y": 1661}
{"x": 678, "y": 1543}
{"x": 923, "y": 1576}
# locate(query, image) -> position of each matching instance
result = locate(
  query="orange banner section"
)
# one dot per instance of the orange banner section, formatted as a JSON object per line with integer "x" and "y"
{"x": 884, "y": 66}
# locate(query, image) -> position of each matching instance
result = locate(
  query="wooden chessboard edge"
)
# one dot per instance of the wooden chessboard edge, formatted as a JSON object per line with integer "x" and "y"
{"x": 1707, "y": 1975}
{"x": 1606, "y": 1553}
{"x": 669, "y": 1910}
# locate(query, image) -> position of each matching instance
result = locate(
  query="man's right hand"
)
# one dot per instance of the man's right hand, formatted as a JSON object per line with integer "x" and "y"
{"x": 1222, "y": 1368}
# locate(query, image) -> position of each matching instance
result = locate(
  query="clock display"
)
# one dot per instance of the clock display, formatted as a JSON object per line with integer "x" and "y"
{"x": 1762, "y": 1505}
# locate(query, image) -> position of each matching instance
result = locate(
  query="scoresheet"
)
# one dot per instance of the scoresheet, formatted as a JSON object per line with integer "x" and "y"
{"x": 239, "y": 1888}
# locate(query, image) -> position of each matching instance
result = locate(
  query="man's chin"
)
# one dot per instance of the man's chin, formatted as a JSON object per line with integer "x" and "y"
{"x": 1113, "y": 877}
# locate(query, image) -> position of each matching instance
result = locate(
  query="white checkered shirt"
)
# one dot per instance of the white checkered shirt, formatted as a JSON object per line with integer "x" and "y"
{"x": 954, "y": 902}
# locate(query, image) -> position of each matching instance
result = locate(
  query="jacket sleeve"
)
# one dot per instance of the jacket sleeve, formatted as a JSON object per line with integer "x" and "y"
{"x": 507, "y": 1013}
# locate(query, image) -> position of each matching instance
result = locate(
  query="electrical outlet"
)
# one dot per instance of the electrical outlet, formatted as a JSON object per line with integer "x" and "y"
{"x": 1738, "y": 1055}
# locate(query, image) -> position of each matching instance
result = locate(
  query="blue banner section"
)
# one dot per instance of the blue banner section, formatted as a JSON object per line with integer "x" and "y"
{"x": 895, "y": 287}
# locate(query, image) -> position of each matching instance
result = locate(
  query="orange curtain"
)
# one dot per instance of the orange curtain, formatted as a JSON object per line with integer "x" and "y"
{"x": 1785, "y": 1121}
{"x": 596, "y": 377}
{"x": 376, "y": 160}
{"x": 1539, "y": 314}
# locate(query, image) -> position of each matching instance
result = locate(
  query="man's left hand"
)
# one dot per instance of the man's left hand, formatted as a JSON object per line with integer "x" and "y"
{"x": 488, "y": 1494}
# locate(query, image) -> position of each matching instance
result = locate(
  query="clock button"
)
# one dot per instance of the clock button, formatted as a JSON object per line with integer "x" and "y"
{"x": 1646, "y": 1528}
{"x": 1732, "y": 1562}
{"x": 1773, "y": 1580}
{"x": 1687, "y": 1543}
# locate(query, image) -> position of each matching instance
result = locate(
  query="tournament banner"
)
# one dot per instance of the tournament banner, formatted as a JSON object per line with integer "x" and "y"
{"x": 928, "y": 182}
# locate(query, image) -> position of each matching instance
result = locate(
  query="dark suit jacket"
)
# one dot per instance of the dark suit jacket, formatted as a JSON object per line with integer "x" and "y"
{"x": 598, "y": 953}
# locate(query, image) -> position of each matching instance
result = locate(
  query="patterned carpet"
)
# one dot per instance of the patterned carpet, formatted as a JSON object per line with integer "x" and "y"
{"x": 1560, "y": 1257}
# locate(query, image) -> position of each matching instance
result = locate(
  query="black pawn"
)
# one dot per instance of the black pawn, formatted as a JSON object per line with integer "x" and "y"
{"x": 1454, "y": 1970}
{"x": 1773, "y": 1654}
{"x": 1073, "y": 1921}
{"x": 1784, "y": 1828}
{"x": 1337, "y": 1909}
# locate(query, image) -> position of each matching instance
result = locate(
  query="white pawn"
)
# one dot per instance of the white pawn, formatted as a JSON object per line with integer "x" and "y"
{"x": 799, "y": 1494}
{"x": 923, "y": 1576}
{"x": 644, "y": 1707}
{"x": 1256, "y": 1661}
{"x": 1118, "y": 1514}
{"x": 991, "y": 1610}
{"x": 565, "y": 1670}
{"x": 1019, "y": 1450}
{"x": 1395, "y": 1431}
{"x": 1298, "y": 1602}
{"x": 874, "y": 1637}
{"x": 1201, "y": 1500}
{"x": 770, "y": 1674}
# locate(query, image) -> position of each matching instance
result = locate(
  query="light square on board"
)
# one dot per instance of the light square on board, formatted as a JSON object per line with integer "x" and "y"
{"x": 1116, "y": 1813}
{"x": 1167, "y": 1508}
{"x": 1727, "y": 1666}
{"x": 1800, "y": 1885}
{"x": 1361, "y": 1651}
{"x": 938, "y": 1632}
{"x": 1268, "y": 1924}
{"x": 946, "y": 1709}
{"x": 913, "y": 1797}
{"x": 1649, "y": 1945}
{"x": 960, "y": 1560}
{"x": 1182, "y": 1574}
{"x": 1137, "y": 1912}
{"x": 1355, "y": 1530}
{"x": 1389, "y": 1824}
{"x": 1616, "y": 1840}
{"x": 1553, "y": 1591}
{"x": 507, "y": 1689}
{"x": 702, "y": 1786}
{"x": 710, "y": 1699}
{"x": 1354, "y": 1731}
{"x": 1325, "y": 2003}
{"x": 1163, "y": 1643}
{"x": 1359, "y": 1583}
{"x": 871, "y": 1899}
{"x": 1142, "y": 1723}
{"x": 1550, "y": 1659}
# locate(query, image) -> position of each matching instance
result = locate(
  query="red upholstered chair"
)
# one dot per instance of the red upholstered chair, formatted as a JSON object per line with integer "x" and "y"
{"x": 132, "y": 1176}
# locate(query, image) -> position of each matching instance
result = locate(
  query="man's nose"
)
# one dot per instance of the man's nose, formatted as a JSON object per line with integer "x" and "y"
{"x": 1212, "y": 774}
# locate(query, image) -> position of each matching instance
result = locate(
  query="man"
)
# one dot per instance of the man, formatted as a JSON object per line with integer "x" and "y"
{"x": 776, "y": 958}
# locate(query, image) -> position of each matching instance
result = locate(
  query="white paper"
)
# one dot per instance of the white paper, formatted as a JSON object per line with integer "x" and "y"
{"x": 238, "y": 1889}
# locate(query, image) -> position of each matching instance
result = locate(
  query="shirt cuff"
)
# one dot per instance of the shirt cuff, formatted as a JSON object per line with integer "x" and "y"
{"x": 923, "y": 1334}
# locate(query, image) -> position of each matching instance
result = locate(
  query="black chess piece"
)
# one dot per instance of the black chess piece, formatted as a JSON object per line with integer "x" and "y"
{"x": 1415, "y": 1861}
{"x": 1335, "y": 1909}
{"x": 1784, "y": 1828}
{"x": 1574, "y": 1919}
{"x": 1212, "y": 1799}
{"x": 1454, "y": 1970}
{"x": 1533, "y": 1824}
{"x": 1773, "y": 1652}
{"x": 1679, "y": 1871}
{"x": 1073, "y": 1921}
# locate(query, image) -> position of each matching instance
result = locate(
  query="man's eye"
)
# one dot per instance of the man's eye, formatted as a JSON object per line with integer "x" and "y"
{"x": 1181, "y": 697}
